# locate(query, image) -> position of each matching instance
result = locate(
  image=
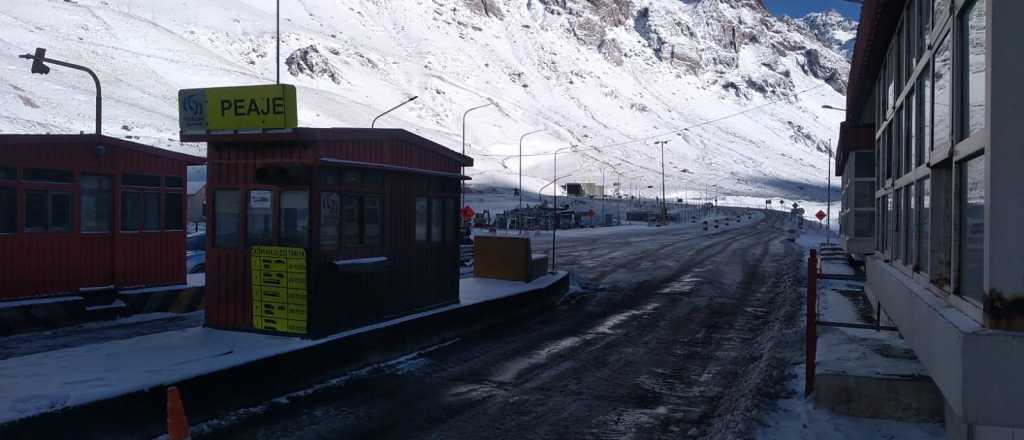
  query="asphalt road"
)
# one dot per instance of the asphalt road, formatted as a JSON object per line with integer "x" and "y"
{"x": 674, "y": 333}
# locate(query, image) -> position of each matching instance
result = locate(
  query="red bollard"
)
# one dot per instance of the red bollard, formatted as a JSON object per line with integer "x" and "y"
{"x": 811, "y": 344}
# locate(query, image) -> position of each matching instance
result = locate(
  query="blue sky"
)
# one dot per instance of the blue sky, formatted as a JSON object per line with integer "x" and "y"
{"x": 799, "y": 8}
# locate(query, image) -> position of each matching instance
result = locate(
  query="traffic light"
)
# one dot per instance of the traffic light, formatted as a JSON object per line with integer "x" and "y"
{"x": 37, "y": 62}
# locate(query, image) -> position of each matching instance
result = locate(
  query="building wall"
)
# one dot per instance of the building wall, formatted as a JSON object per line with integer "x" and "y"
{"x": 949, "y": 265}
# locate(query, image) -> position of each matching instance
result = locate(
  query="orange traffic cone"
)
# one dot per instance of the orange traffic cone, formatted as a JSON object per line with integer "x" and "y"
{"x": 177, "y": 423}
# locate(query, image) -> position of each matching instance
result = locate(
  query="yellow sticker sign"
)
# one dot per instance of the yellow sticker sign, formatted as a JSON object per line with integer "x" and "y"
{"x": 279, "y": 289}
{"x": 237, "y": 108}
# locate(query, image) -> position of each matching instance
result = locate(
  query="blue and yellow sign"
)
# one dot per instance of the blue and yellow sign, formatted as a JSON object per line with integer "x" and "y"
{"x": 279, "y": 294}
{"x": 237, "y": 108}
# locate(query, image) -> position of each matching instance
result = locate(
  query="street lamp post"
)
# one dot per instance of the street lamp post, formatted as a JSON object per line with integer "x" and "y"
{"x": 602, "y": 198}
{"x": 464, "y": 146}
{"x": 664, "y": 212}
{"x": 554, "y": 208}
{"x": 828, "y": 197}
{"x": 520, "y": 224}
{"x": 38, "y": 66}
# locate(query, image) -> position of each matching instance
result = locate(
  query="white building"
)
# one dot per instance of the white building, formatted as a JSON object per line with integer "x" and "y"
{"x": 936, "y": 95}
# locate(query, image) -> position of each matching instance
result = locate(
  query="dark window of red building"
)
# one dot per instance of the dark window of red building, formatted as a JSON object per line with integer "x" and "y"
{"x": 95, "y": 204}
{"x": 227, "y": 218}
{"x": 131, "y": 207}
{"x": 47, "y": 211}
{"x": 173, "y": 181}
{"x": 8, "y": 173}
{"x": 51, "y": 176}
{"x": 173, "y": 209}
{"x": 140, "y": 180}
{"x": 151, "y": 211}
{"x": 8, "y": 208}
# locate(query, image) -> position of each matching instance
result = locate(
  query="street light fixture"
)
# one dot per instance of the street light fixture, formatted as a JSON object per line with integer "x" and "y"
{"x": 464, "y": 145}
{"x": 829, "y": 107}
{"x": 521, "y": 164}
{"x": 38, "y": 67}
{"x": 372, "y": 124}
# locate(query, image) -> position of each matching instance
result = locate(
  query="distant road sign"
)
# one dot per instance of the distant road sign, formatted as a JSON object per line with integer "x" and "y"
{"x": 820, "y": 215}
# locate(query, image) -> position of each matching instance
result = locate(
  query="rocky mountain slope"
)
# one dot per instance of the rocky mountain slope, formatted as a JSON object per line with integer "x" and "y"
{"x": 736, "y": 91}
{"x": 833, "y": 29}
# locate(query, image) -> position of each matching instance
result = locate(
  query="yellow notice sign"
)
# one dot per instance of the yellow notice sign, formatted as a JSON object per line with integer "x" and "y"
{"x": 279, "y": 293}
{"x": 237, "y": 108}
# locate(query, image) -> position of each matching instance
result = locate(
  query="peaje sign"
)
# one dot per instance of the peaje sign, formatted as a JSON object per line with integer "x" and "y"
{"x": 237, "y": 108}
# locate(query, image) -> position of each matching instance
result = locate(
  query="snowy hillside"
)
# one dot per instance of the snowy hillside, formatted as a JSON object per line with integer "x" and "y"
{"x": 606, "y": 76}
{"x": 832, "y": 28}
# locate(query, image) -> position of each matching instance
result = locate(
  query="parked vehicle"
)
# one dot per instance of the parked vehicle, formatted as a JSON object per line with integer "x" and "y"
{"x": 195, "y": 253}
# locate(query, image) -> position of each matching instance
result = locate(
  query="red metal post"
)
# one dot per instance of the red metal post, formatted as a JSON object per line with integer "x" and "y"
{"x": 811, "y": 344}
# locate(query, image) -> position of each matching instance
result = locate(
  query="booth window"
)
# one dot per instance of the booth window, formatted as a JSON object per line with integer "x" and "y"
{"x": 943, "y": 95}
{"x": 144, "y": 180}
{"x": 49, "y": 176}
{"x": 8, "y": 207}
{"x": 259, "y": 224}
{"x": 173, "y": 210}
{"x": 436, "y": 220}
{"x": 131, "y": 203}
{"x": 96, "y": 199}
{"x": 8, "y": 173}
{"x": 923, "y": 212}
{"x": 422, "y": 218}
{"x": 350, "y": 221}
{"x": 294, "y": 218}
{"x": 373, "y": 215}
{"x": 227, "y": 218}
{"x": 47, "y": 211}
{"x": 330, "y": 218}
{"x": 449, "y": 221}
{"x": 973, "y": 63}
{"x": 150, "y": 211}
{"x": 173, "y": 182}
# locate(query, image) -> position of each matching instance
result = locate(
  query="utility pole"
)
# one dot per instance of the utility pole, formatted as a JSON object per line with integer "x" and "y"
{"x": 278, "y": 20}
{"x": 664, "y": 212}
{"x": 828, "y": 197}
{"x": 603, "y": 189}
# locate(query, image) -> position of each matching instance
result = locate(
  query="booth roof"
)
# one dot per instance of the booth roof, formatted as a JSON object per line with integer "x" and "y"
{"x": 94, "y": 140}
{"x": 308, "y": 134}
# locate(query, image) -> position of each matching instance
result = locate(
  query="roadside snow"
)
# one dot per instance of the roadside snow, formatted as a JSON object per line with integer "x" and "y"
{"x": 796, "y": 418}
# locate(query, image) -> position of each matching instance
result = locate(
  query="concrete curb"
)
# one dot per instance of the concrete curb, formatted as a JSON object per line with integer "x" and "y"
{"x": 143, "y": 414}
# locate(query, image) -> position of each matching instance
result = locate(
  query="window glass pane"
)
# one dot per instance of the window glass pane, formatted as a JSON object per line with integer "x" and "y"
{"x": 60, "y": 211}
{"x": 864, "y": 224}
{"x": 943, "y": 95}
{"x": 897, "y": 148}
{"x": 941, "y": 11}
{"x": 926, "y": 111}
{"x": 974, "y": 77}
{"x": 330, "y": 218}
{"x": 436, "y": 220}
{"x": 923, "y": 211}
{"x": 259, "y": 222}
{"x": 422, "y": 218}
{"x": 897, "y": 225}
{"x": 890, "y": 235}
{"x": 350, "y": 221}
{"x": 140, "y": 180}
{"x": 53, "y": 176}
{"x": 864, "y": 164}
{"x": 8, "y": 173}
{"x": 910, "y": 137}
{"x": 972, "y": 227}
{"x": 330, "y": 175}
{"x": 373, "y": 178}
{"x": 294, "y": 218}
{"x": 8, "y": 209}
{"x": 151, "y": 211}
{"x": 131, "y": 210}
{"x": 96, "y": 200}
{"x": 173, "y": 181}
{"x": 449, "y": 221}
{"x": 908, "y": 222}
{"x": 173, "y": 211}
{"x": 373, "y": 210}
{"x": 864, "y": 194}
{"x": 352, "y": 177}
{"x": 227, "y": 218}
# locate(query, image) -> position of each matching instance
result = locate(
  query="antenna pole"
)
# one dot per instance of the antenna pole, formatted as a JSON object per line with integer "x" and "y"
{"x": 278, "y": 20}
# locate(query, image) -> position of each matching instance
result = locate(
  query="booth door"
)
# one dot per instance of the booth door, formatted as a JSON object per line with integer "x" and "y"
{"x": 437, "y": 249}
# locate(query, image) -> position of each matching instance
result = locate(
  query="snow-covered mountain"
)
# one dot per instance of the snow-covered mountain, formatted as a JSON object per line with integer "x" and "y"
{"x": 736, "y": 91}
{"x": 834, "y": 29}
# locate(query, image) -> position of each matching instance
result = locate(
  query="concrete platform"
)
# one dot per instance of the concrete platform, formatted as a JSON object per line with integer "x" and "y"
{"x": 868, "y": 373}
{"x": 52, "y": 312}
{"x": 117, "y": 388}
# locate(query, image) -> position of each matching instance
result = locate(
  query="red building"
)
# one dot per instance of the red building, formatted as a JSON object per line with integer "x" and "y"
{"x": 315, "y": 230}
{"x": 86, "y": 212}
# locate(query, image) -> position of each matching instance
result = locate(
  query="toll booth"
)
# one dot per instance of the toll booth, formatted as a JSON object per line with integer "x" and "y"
{"x": 316, "y": 230}
{"x": 89, "y": 215}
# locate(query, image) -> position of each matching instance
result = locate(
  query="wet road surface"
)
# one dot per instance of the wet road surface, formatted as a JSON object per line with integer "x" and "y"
{"x": 674, "y": 333}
